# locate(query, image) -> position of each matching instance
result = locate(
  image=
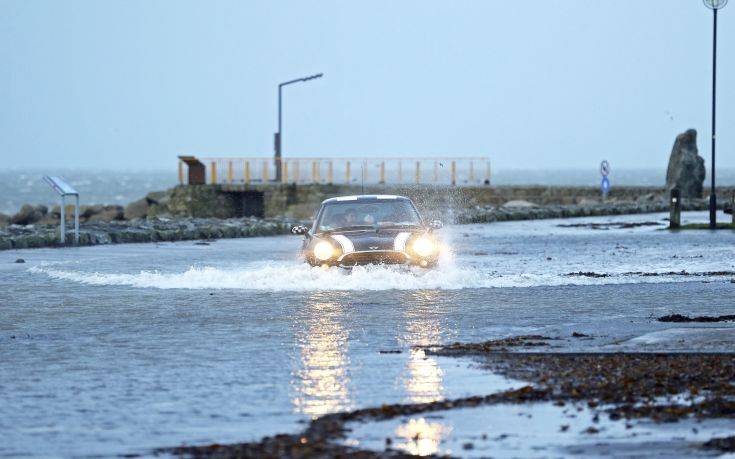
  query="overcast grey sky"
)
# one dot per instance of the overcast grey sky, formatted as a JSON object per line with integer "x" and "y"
{"x": 531, "y": 84}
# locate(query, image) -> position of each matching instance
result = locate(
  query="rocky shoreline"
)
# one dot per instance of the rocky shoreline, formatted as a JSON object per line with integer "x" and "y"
{"x": 524, "y": 211}
{"x": 35, "y": 227}
{"x": 142, "y": 230}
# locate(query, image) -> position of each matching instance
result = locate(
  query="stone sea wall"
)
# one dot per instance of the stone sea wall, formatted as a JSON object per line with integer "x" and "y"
{"x": 509, "y": 213}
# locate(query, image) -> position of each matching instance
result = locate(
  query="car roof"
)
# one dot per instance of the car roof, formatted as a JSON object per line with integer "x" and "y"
{"x": 365, "y": 197}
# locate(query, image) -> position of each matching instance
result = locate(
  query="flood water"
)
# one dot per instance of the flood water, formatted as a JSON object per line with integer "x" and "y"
{"x": 119, "y": 349}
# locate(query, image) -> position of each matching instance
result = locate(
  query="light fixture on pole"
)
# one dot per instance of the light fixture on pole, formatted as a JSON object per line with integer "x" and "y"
{"x": 714, "y": 5}
{"x": 279, "y": 134}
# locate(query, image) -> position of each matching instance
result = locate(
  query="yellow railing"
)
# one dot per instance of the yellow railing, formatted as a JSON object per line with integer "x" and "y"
{"x": 445, "y": 170}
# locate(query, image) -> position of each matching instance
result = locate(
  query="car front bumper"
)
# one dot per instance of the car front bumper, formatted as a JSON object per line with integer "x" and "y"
{"x": 374, "y": 257}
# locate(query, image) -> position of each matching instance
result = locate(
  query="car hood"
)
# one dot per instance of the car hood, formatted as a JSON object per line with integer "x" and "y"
{"x": 371, "y": 240}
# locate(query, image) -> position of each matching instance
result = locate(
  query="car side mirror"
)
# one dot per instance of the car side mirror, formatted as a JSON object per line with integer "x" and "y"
{"x": 300, "y": 229}
{"x": 436, "y": 224}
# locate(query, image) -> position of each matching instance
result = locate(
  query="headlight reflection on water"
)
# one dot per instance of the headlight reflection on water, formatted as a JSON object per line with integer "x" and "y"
{"x": 421, "y": 438}
{"x": 322, "y": 380}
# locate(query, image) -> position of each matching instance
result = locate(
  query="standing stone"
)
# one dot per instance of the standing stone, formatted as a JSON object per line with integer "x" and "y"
{"x": 686, "y": 168}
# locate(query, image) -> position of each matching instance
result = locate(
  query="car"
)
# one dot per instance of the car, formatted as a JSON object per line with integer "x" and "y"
{"x": 369, "y": 229}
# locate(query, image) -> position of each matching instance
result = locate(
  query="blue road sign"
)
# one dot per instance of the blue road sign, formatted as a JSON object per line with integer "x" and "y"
{"x": 605, "y": 185}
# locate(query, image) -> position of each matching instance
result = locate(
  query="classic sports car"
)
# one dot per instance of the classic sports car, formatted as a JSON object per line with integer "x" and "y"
{"x": 369, "y": 229}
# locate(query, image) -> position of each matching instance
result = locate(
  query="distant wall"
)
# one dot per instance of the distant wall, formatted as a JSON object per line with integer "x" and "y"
{"x": 303, "y": 200}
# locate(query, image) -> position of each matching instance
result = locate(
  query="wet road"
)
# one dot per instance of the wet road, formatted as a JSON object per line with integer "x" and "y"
{"x": 117, "y": 349}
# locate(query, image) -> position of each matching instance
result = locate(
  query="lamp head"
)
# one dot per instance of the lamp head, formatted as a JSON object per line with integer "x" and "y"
{"x": 715, "y": 4}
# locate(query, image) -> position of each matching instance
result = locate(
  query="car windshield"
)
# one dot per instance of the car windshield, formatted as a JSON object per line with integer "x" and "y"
{"x": 346, "y": 215}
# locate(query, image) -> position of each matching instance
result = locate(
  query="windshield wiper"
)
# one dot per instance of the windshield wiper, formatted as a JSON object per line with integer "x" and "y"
{"x": 399, "y": 225}
{"x": 351, "y": 227}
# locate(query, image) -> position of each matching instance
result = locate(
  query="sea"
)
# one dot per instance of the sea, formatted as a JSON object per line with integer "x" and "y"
{"x": 26, "y": 186}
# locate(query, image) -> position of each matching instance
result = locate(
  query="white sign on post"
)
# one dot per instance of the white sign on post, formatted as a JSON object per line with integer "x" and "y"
{"x": 63, "y": 189}
{"x": 605, "y": 171}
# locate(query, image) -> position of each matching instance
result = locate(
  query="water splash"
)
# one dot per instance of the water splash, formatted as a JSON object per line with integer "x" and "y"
{"x": 290, "y": 276}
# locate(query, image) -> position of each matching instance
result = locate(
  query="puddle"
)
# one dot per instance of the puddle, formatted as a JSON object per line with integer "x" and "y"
{"x": 535, "y": 430}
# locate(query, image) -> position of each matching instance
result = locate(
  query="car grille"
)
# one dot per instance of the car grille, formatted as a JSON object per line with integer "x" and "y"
{"x": 375, "y": 257}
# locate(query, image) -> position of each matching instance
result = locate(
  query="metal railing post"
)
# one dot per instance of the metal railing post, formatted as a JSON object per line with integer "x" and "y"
{"x": 63, "y": 220}
{"x": 329, "y": 172}
{"x": 229, "y": 172}
{"x": 382, "y": 172}
{"x": 347, "y": 173}
{"x": 181, "y": 172}
{"x": 436, "y": 171}
{"x": 213, "y": 173}
{"x": 472, "y": 171}
{"x": 418, "y": 172}
{"x": 284, "y": 170}
{"x": 76, "y": 220}
{"x": 487, "y": 172}
{"x": 266, "y": 175}
{"x": 454, "y": 172}
{"x": 297, "y": 178}
{"x": 400, "y": 171}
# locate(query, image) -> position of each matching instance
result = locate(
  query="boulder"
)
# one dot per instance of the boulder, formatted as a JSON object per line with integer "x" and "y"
{"x": 87, "y": 212}
{"x": 136, "y": 209}
{"x": 519, "y": 203}
{"x": 29, "y": 214}
{"x": 686, "y": 168}
{"x": 108, "y": 214}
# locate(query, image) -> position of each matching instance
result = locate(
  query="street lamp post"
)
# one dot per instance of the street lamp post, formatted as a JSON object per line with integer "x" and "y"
{"x": 279, "y": 134}
{"x": 714, "y": 5}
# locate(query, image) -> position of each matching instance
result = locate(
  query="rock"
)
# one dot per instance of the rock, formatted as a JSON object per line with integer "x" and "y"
{"x": 55, "y": 215}
{"x": 519, "y": 203}
{"x": 136, "y": 209}
{"x": 686, "y": 168}
{"x": 4, "y": 220}
{"x": 108, "y": 214}
{"x": 29, "y": 214}
{"x": 87, "y": 212}
{"x": 20, "y": 260}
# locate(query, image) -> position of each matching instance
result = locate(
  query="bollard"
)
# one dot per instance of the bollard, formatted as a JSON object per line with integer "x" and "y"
{"x": 675, "y": 209}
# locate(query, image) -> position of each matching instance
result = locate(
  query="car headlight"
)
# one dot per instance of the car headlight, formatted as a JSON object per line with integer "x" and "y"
{"x": 323, "y": 250}
{"x": 423, "y": 246}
